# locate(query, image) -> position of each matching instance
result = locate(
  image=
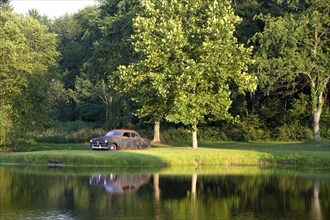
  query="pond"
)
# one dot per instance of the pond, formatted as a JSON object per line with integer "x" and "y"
{"x": 207, "y": 193}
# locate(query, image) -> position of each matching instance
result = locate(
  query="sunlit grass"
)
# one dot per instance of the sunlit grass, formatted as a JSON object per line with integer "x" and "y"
{"x": 313, "y": 154}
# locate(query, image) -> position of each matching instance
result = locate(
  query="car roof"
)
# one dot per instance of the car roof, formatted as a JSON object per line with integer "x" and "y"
{"x": 123, "y": 130}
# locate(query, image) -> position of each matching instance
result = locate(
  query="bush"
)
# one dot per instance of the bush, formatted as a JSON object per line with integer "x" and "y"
{"x": 69, "y": 132}
{"x": 81, "y": 136}
{"x": 84, "y": 135}
{"x": 212, "y": 134}
{"x": 294, "y": 132}
{"x": 325, "y": 124}
{"x": 325, "y": 133}
{"x": 71, "y": 126}
{"x": 175, "y": 134}
{"x": 253, "y": 130}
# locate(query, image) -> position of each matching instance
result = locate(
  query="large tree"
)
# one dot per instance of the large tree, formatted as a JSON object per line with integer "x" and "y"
{"x": 294, "y": 48}
{"x": 190, "y": 58}
{"x": 103, "y": 45}
{"x": 27, "y": 53}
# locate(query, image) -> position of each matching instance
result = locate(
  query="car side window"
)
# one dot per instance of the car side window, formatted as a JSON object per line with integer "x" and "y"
{"x": 126, "y": 134}
{"x": 136, "y": 135}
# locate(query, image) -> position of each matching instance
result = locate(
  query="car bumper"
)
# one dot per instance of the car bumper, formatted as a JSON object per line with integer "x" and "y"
{"x": 99, "y": 146}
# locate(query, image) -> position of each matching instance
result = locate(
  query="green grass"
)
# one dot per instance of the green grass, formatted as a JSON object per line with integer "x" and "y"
{"x": 312, "y": 154}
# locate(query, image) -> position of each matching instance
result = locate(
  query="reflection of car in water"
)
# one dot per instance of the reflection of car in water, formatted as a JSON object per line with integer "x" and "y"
{"x": 119, "y": 184}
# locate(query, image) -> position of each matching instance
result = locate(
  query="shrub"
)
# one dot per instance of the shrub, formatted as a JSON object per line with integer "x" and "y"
{"x": 325, "y": 133}
{"x": 175, "y": 134}
{"x": 294, "y": 132}
{"x": 81, "y": 136}
{"x": 71, "y": 126}
{"x": 325, "y": 124}
{"x": 69, "y": 132}
{"x": 253, "y": 130}
{"x": 84, "y": 135}
{"x": 212, "y": 134}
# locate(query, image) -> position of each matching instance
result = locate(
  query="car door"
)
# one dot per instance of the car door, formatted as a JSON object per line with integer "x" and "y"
{"x": 136, "y": 140}
{"x": 125, "y": 140}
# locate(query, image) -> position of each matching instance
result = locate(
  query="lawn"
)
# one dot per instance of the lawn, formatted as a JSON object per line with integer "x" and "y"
{"x": 310, "y": 154}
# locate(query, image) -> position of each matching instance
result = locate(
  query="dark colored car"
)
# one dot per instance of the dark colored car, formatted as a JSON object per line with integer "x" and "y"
{"x": 119, "y": 139}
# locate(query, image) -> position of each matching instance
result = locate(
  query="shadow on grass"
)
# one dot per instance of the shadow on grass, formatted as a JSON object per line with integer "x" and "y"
{"x": 258, "y": 146}
{"x": 307, "y": 154}
{"x": 313, "y": 154}
{"x": 88, "y": 158}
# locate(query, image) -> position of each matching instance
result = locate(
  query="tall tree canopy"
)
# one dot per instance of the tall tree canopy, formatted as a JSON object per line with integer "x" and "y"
{"x": 294, "y": 48}
{"x": 107, "y": 29}
{"x": 27, "y": 53}
{"x": 190, "y": 59}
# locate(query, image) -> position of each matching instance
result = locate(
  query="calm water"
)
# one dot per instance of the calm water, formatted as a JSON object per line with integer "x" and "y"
{"x": 219, "y": 193}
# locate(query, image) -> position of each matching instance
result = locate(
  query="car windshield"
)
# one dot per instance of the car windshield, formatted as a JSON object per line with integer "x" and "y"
{"x": 113, "y": 133}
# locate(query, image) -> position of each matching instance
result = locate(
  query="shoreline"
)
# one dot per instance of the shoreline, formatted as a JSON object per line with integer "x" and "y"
{"x": 209, "y": 154}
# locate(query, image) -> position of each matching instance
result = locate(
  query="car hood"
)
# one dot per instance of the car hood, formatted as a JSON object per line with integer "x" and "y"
{"x": 102, "y": 138}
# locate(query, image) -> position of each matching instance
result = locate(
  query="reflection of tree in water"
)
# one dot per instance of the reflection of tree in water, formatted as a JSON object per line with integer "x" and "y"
{"x": 261, "y": 193}
{"x": 169, "y": 196}
{"x": 316, "y": 206}
{"x": 119, "y": 183}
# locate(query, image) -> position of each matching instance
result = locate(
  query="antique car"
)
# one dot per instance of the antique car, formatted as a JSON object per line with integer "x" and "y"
{"x": 119, "y": 139}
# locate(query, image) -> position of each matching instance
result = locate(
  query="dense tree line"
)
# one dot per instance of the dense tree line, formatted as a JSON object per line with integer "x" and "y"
{"x": 228, "y": 70}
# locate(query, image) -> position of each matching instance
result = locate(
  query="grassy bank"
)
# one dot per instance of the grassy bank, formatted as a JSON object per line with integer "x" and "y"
{"x": 313, "y": 154}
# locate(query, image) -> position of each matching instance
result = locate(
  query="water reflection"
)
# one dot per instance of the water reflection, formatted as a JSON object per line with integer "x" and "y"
{"x": 316, "y": 206}
{"x": 119, "y": 183}
{"x": 62, "y": 194}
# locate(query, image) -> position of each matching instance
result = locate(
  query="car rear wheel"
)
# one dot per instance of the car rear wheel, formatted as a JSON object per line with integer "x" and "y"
{"x": 113, "y": 147}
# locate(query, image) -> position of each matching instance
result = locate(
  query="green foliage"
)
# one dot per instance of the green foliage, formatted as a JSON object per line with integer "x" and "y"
{"x": 60, "y": 108}
{"x": 76, "y": 132}
{"x": 93, "y": 43}
{"x": 42, "y": 19}
{"x": 27, "y": 54}
{"x": 325, "y": 124}
{"x": 71, "y": 126}
{"x": 253, "y": 129}
{"x": 67, "y": 30}
{"x": 293, "y": 50}
{"x": 173, "y": 135}
{"x": 70, "y": 132}
{"x": 294, "y": 132}
{"x": 187, "y": 67}
{"x": 326, "y": 133}
{"x": 213, "y": 134}
{"x": 248, "y": 10}
{"x": 189, "y": 58}
{"x": 300, "y": 111}
{"x": 72, "y": 55}
{"x": 4, "y": 3}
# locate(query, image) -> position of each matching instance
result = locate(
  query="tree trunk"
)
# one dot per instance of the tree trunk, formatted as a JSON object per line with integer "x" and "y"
{"x": 317, "y": 111}
{"x": 107, "y": 115}
{"x": 316, "y": 124}
{"x": 156, "y": 132}
{"x": 317, "y": 105}
{"x": 109, "y": 111}
{"x": 194, "y": 137}
{"x": 108, "y": 101}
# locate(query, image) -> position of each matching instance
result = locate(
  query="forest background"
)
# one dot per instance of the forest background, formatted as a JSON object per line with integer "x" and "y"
{"x": 112, "y": 66}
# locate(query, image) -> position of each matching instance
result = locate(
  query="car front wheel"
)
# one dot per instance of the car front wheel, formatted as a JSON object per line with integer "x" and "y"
{"x": 113, "y": 147}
